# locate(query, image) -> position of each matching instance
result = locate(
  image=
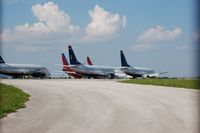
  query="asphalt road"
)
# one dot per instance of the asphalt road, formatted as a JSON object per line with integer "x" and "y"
{"x": 102, "y": 106}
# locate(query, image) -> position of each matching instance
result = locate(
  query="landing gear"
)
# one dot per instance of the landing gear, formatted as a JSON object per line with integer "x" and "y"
{"x": 110, "y": 76}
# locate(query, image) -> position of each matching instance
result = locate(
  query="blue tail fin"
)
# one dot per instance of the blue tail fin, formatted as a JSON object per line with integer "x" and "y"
{"x": 123, "y": 60}
{"x": 1, "y": 60}
{"x": 72, "y": 57}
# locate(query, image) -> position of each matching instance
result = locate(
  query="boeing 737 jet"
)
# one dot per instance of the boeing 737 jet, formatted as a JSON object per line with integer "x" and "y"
{"x": 137, "y": 71}
{"x": 89, "y": 70}
{"x": 21, "y": 70}
{"x": 118, "y": 72}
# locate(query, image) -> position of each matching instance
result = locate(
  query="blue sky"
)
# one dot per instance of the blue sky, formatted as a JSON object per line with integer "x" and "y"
{"x": 158, "y": 34}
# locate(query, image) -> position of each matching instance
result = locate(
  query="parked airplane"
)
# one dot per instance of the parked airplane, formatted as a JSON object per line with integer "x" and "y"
{"x": 137, "y": 71}
{"x": 67, "y": 69}
{"x": 89, "y": 70}
{"x": 118, "y": 72}
{"x": 21, "y": 70}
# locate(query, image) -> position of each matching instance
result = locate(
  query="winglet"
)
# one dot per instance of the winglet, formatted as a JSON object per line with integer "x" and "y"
{"x": 123, "y": 60}
{"x": 89, "y": 61}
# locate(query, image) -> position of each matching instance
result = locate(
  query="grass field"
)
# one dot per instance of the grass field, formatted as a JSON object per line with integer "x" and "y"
{"x": 11, "y": 99}
{"x": 183, "y": 83}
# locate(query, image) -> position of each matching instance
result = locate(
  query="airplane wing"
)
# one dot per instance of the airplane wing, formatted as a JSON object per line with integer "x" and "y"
{"x": 153, "y": 75}
{"x": 67, "y": 66}
{"x": 163, "y": 72}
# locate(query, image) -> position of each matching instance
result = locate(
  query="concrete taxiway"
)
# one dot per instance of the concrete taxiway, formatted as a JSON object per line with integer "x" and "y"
{"x": 102, "y": 106}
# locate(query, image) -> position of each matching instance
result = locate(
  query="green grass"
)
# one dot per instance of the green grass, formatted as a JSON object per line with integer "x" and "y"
{"x": 182, "y": 83}
{"x": 11, "y": 99}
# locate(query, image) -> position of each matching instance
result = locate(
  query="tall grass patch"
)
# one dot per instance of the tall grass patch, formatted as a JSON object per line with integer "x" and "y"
{"x": 11, "y": 99}
{"x": 182, "y": 83}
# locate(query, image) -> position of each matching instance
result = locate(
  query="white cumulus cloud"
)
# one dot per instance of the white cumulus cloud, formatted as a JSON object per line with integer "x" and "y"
{"x": 104, "y": 25}
{"x": 54, "y": 26}
{"x": 55, "y": 19}
{"x": 155, "y": 36}
{"x": 52, "y": 23}
{"x": 159, "y": 34}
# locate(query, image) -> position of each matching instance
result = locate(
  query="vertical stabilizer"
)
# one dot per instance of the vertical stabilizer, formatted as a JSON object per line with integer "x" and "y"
{"x": 66, "y": 67}
{"x": 123, "y": 60}
{"x": 72, "y": 57}
{"x": 64, "y": 61}
{"x": 1, "y": 60}
{"x": 89, "y": 61}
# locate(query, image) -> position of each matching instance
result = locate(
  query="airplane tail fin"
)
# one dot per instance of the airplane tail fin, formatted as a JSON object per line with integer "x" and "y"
{"x": 64, "y": 61}
{"x": 66, "y": 67}
{"x": 1, "y": 60}
{"x": 89, "y": 61}
{"x": 123, "y": 60}
{"x": 72, "y": 57}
